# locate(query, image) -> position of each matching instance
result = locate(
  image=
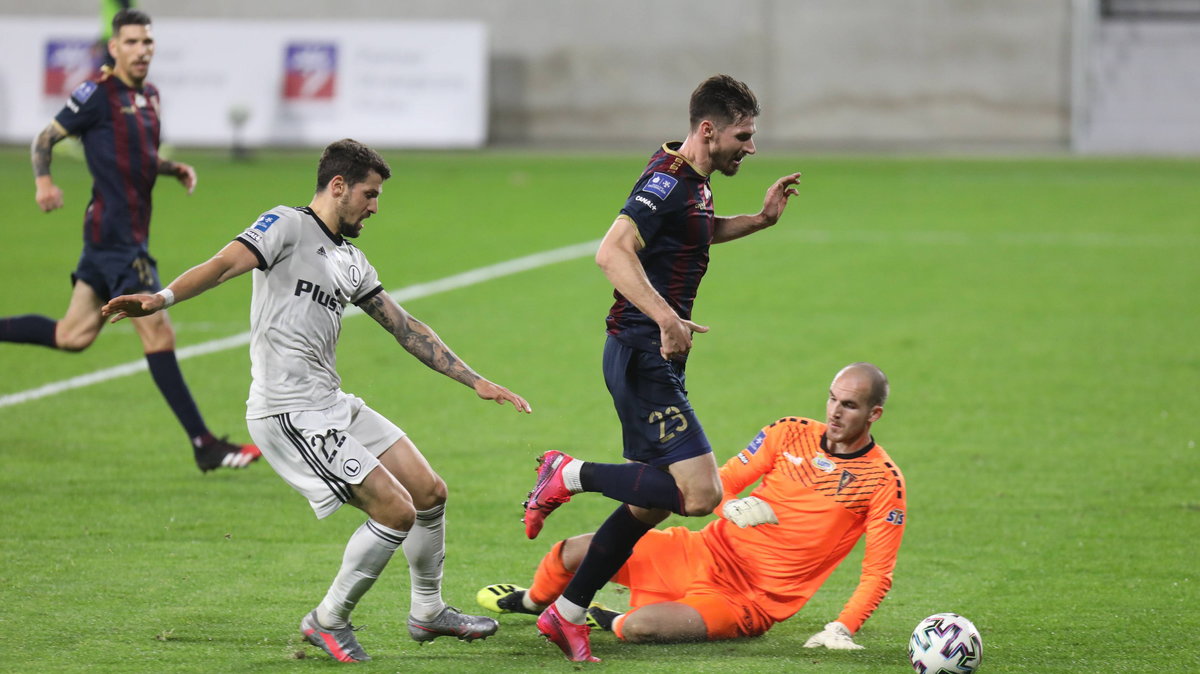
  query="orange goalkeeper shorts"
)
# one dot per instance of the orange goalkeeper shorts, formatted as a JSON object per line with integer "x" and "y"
{"x": 675, "y": 565}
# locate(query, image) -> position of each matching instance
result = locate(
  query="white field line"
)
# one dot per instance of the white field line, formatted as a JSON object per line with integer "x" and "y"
{"x": 412, "y": 292}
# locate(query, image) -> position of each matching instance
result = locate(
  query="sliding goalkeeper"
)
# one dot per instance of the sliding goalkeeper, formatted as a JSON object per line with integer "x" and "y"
{"x": 822, "y": 486}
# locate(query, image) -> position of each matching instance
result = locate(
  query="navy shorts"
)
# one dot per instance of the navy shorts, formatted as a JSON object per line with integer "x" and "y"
{"x": 658, "y": 424}
{"x": 117, "y": 272}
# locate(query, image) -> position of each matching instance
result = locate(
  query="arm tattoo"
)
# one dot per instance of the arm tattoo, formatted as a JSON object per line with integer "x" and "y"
{"x": 167, "y": 167}
{"x": 41, "y": 150}
{"x": 419, "y": 340}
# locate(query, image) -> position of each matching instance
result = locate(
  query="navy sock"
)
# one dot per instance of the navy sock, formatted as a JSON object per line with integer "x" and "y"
{"x": 28, "y": 329}
{"x": 637, "y": 484}
{"x": 165, "y": 370}
{"x": 611, "y": 546}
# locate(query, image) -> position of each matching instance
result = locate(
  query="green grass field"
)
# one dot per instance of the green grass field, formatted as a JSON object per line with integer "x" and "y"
{"x": 1038, "y": 320}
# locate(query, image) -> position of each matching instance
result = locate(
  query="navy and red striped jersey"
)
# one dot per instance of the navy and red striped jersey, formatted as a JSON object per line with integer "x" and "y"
{"x": 119, "y": 128}
{"x": 671, "y": 207}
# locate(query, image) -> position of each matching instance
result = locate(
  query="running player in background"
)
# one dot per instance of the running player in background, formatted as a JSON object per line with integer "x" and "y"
{"x": 116, "y": 116}
{"x": 325, "y": 443}
{"x": 823, "y": 486}
{"x": 655, "y": 254}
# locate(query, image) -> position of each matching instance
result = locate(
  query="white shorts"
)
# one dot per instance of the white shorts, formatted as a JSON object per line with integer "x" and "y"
{"x": 322, "y": 452}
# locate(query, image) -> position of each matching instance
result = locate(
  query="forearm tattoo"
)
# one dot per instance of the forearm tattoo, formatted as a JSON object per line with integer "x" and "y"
{"x": 420, "y": 340}
{"x": 42, "y": 149}
{"x": 167, "y": 167}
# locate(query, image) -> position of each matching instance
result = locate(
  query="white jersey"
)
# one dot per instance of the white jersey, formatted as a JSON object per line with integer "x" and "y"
{"x": 305, "y": 278}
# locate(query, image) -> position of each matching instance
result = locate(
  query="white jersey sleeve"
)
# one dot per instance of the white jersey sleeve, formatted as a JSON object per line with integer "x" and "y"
{"x": 267, "y": 242}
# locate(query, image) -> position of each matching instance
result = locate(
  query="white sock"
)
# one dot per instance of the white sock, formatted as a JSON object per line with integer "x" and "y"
{"x": 570, "y": 611}
{"x": 570, "y": 475}
{"x": 367, "y": 553}
{"x": 426, "y": 552}
{"x": 528, "y": 603}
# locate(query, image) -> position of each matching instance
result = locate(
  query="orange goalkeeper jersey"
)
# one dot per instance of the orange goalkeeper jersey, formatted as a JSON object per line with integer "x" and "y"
{"x": 824, "y": 504}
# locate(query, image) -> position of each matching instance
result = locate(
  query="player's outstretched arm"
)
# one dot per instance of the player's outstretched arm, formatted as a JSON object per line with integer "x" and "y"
{"x": 737, "y": 226}
{"x": 422, "y": 342}
{"x": 234, "y": 259}
{"x": 49, "y": 196}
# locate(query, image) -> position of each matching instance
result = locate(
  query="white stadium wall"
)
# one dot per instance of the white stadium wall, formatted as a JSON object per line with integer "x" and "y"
{"x": 921, "y": 75}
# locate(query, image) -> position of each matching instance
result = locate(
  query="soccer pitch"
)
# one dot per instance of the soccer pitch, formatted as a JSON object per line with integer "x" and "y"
{"x": 1037, "y": 318}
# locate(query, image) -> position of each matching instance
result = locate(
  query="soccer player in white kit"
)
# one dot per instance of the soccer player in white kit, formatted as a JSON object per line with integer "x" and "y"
{"x": 327, "y": 444}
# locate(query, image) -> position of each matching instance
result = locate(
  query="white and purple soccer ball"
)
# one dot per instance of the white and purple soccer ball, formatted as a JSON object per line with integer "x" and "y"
{"x": 945, "y": 643}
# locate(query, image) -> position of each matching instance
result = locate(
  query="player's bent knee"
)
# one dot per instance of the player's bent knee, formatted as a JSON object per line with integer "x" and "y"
{"x": 397, "y": 516}
{"x": 701, "y": 505}
{"x": 73, "y": 343}
{"x": 432, "y": 497}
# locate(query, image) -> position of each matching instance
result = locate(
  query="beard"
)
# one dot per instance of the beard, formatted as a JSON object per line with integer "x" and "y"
{"x": 728, "y": 165}
{"x": 347, "y": 228}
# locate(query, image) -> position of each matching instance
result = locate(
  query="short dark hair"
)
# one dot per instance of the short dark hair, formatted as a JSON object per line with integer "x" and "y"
{"x": 722, "y": 100}
{"x": 129, "y": 17}
{"x": 351, "y": 160}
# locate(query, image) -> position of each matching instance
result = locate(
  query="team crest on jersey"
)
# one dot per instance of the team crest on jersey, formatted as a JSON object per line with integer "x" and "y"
{"x": 355, "y": 275}
{"x": 660, "y": 185}
{"x": 824, "y": 463}
{"x": 848, "y": 478}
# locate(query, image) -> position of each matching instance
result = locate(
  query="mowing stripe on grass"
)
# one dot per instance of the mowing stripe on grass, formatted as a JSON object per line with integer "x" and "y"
{"x": 412, "y": 292}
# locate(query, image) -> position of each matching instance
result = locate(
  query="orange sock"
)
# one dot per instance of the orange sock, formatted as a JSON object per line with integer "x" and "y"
{"x": 551, "y": 577}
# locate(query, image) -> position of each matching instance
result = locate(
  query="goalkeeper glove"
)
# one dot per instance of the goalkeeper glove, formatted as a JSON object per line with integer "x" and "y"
{"x": 749, "y": 512}
{"x": 835, "y": 637}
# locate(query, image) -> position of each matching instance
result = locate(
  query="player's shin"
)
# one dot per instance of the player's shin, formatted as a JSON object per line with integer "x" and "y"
{"x": 610, "y": 548}
{"x": 367, "y": 553}
{"x": 549, "y": 580}
{"x": 425, "y": 550}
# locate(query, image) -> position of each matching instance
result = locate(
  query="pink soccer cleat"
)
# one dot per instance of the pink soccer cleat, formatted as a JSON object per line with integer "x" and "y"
{"x": 548, "y": 493}
{"x": 571, "y": 638}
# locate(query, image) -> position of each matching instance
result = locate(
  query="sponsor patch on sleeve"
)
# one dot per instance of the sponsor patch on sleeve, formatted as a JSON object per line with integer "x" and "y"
{"x": 895, "y": 517}
{"x": 264, "y": 223}
{"x": 84, "y": 91}
{"x": 660, "y": 185}
{"x": 756, "y": 442}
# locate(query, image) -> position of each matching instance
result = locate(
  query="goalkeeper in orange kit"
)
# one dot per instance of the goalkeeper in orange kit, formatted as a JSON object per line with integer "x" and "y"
{"x": 823, "y": 486}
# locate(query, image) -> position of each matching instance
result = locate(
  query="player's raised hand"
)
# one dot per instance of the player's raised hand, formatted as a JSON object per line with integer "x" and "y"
{"x": 835, "y": 637}
{"x": 49, "y": 196}
{"x": 490, "y": 391}
{"x": 777, "y": 197}
{"x": 132, "y": 306}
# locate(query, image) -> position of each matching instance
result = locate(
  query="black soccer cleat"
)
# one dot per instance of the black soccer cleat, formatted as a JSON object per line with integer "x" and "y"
{"x": 221, "y": 453}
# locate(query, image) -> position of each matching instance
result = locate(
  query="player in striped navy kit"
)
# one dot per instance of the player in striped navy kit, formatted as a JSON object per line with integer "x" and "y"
{"x": 655, "y": 255}
{"x": 116, "y": 117}
{"x": 328, "y": 444}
